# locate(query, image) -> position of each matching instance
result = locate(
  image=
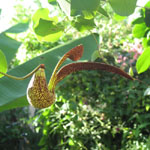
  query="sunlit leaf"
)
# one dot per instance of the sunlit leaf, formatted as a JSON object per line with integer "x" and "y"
{"x": 46, "y": 28}
{"x": 146, "y": 42}
{"x": 143, "y": 62}
{"x": 139, "y": 30}
{"x": 118, "y": 17}
{"x": 3, "y": 63}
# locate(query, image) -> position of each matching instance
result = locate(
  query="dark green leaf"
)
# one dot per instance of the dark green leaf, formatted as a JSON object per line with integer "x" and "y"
{"x": 123, "y": 7}
{"x": 102, "y": 11}
{"x": 3, "y": 63}
{"x": 13, "y": 93}
{"x": 147, "y": 17}
{"x": 138, "y": 20}
{"x": 143, "y": 62}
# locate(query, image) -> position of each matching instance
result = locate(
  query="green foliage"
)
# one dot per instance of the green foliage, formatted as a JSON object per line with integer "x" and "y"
{"x": 141, "y": 30}
{"x": 15, "y": 130}
{"x": 3, "y": 63}
{"x": 81, "y": 16}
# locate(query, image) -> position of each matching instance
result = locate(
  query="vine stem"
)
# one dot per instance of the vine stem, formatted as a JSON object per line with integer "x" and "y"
{"x": 24, "y": 77}
{"x": 99, "y": 51}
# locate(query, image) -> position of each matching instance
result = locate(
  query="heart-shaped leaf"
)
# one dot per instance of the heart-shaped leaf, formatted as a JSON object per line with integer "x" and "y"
{"x": 46, "y": 28}
{"x": 123, "y": 7}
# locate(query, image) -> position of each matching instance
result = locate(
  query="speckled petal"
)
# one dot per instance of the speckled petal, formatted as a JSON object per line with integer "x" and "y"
{"x": 38, "y": 94}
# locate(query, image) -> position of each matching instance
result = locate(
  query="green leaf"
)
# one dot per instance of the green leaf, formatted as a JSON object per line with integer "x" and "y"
{"x": 88, "y": 15}
{"x": 131, "y": 73}
{"x": 139, "y": 30}
{"x": 46, "y": 28}
{"x": 95, "y": 55}
{"x": 77, "y": 6}
{"x": 71, "y": 142}
{"x": 146, "y": 42}
{"x": 102, "y": 11}
{"x": 82, "y": 24}
{"x": 20, "y": 27}
{"x": 147, "y": 17}
{"x": 123, "y": 7}
{"x": 143, "y": 62}
{"x": 118, "y": 17}
{"x": 8, "y": 45}
{"x": 13, "y": 93}
{"x": 147, "y": 4}
{"x": 51, "y": 1}
{"x": 138, "y": 20}
{"x": 3, "y": 63}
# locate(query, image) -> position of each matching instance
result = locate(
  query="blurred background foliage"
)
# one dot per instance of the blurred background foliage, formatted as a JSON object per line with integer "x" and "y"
{"x": 94, "y": 110}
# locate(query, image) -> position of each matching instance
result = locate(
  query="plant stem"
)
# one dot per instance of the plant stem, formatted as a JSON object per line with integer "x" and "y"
{"x": 24, "y": 77}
